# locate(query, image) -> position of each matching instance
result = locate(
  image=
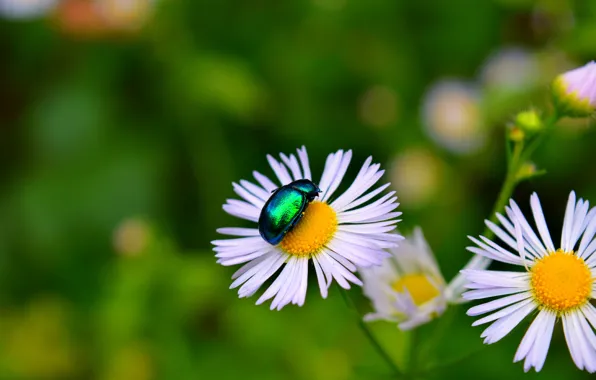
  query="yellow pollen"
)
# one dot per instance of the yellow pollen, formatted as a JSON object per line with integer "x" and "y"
{"x": 420, "y": 288}
{"x": 312, "y": 232}
{"x": 561, "y": 281}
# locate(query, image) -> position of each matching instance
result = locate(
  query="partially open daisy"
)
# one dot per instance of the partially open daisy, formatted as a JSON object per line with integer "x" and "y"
{"x": 336, "y": 235}
{"x": 559, "y": 283}
{"x": 408, "y": 288}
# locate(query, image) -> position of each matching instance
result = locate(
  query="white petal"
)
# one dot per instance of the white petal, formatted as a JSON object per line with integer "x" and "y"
{"x": 277, "y": 283}
{"x": 302, "y": 276}
{"x": 237, "y": 231}
{"x": 541, "y": 223}
{"x": 537, "y": 355}
{"x": 225, "y": 261}
{"x": 289, "y": 286}
{"x": 587, "y": 245}
{"x": 511, "y": 230}
{"x": 581, "y": 211}
{"x": 249, "y": 266}
{"x": 503, "y": 326}
{"x": 328, "y": 268}
{"x": 498, "y": 303}
{"x": 342, "y": 260}
{"x": 303, "y": 156}
{"x": 502, "y": 313}
{"x": 244, "y": 242}
{"x": 572, "y": 342}
{"x": 536, "y": 327}
{"x": 528, "y": 231}
{"x": 586, "y": 331}
{"x": 568, "y": 222}
{"x": 320, "y": 278}
{"x": 280, "y": 170}
{"x": 365, "y": 198}
{"x": 292, "y": 163}
{"x": 331, "y": 165}
{"x": 257, "y": 191}
{"x": 338, "y": 176}
{"x": 491, "y": 292}
{"x": 264, "y": 181}
{"x": 252, "y": 284}
{"x": 243, "y": 213}
{"x": 497, "y": 278}
{"x": 337, "y": 270}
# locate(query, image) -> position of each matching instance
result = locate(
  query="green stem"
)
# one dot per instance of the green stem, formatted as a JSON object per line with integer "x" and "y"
{"x": 548, "y": 127}
{"x": 519, "y": 156}
{"x": 368, "y": 333}
{"x": 413, "y": 354}
{"x": 508, "y": 186}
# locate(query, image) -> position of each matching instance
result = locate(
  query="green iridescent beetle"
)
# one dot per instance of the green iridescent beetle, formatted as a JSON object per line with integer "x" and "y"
{"x": 285, "y": 208}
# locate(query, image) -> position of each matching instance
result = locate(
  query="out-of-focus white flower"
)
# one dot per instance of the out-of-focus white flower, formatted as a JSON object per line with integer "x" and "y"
{"x": 131, "y": 237}
{"x": 452, "y": 116}
{"x": 408, "y": 288}
{"x": 510, "y": 69}
{"x": 575, "y": 91}
{"x": 26, "y": 9}
{"x": 378, "y": 106}
{"x": 417, "y": 175}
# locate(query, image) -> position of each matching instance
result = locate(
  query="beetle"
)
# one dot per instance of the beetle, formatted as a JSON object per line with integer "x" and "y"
{"x": 285, "y": 208}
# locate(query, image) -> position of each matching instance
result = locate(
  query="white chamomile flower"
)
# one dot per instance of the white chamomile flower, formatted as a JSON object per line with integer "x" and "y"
{"x": 335, "y": 234}
{"x": 558, "y": 283}
{"x": 408, "y": 288}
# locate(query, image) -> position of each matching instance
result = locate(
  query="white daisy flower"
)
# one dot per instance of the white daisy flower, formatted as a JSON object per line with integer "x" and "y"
{"x": 558, "y": 282}
{"x": 408, "y": 288}
{"x": 336, "y": 235}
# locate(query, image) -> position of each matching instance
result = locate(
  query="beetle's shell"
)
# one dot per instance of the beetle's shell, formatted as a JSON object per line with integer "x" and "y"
{"x": 281, "y": 212}
{"x": 306, "y": 186}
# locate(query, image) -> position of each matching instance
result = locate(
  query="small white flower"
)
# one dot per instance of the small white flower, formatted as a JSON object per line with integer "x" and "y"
{"x": 558, "y": 282}
{"x": 452, "y": 116}
{"x": 511, "y": 69}
{"x": 336, "y": 235}
{"x": 26, "y": 9}
{"x": 408, "y": 288}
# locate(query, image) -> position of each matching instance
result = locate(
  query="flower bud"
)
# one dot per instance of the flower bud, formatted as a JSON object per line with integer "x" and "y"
{"x": 526, "y": 170}
{"x": 574, "y": 91}
{"x": 516, "y": 134}
{"x": 529, "y": 121}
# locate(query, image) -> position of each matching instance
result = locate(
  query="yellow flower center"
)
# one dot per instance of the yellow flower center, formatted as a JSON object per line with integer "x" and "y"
{"x": 561, "y": 281}
{"x": 420, "y": 288}
{"x": 312, "y": 232}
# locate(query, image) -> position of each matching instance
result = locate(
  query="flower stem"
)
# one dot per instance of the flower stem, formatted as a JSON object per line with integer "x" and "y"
{"x": 368, "y": 333}
{"x": 511, "y": 181}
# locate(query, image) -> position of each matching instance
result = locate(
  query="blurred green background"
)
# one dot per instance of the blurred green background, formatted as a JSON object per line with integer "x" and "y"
{"x": 123, "y": 124}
